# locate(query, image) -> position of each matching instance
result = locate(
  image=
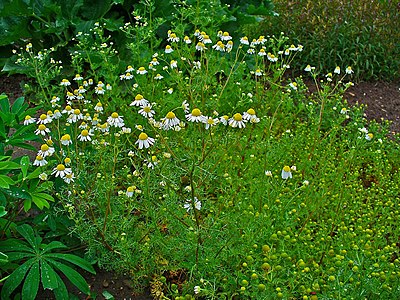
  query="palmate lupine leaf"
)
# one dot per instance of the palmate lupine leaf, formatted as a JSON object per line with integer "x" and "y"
{"x": 27, "y": 232}
{"x": 15, "y": 279}
{"x": 76, "y": 260}
{"x": 61, "y": 291}
{"x": 31, "y": 283}
{"x": 48, "y": 276}
{"x": 73, "y": 276}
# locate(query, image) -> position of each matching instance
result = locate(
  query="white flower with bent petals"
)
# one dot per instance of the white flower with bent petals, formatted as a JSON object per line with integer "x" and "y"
{"x": 237, "y": 121}
{"x": 115, "y": 120}
{"x": 139, "y": 101}
{"x": 144, "y": 141}
{"x": 170, "y": 121}
{"x": 61, "y": 171}
{"x": 286, "y": 172}
{"x": 189, "y": 205}
{"x": 196, "y": 116}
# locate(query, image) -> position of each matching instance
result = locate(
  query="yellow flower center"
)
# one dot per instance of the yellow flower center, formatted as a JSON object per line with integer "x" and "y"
{"x": 99, "y": 104}
{"x": 226, "y": 33}
{"x": 141, "y": 69}
{"x": 44, "y": 147}
{"x": 39, "y": 157}
{"x": 170, "y": 115}
{"x": 114, "y": 115}
{"x": 237, "y": 117}
{"x": 251, "y": 111}
{"x": 66, "y": 137}
{"x": 210, "y": 121}
{"x": 60, "y": 167}
{"x": 130, "y": 189}
{"x": 42, "y": 127}
{"x": 28, "y": 118}
{"x": 49, "y": 113}
{"x": 77, "y": 111}
{"x": 168, "y": 47}
{"x": 143, "y": 136}
{"x": 68, "y": 108}
{"x": 138, "y": 97}
{"x": 196, "y": 112}
{"x": 147, "y": 109}
{"x": 286, "y": 168}
{"x": 85, "y": 132}
{"x": 43, "y": 117}
{"x": 67, "y": 160}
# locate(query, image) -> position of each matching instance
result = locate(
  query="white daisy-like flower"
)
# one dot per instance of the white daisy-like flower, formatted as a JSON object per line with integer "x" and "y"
{"x": 70, "y": 96}
{"x": 271, "y": 57}
{"x": 349, "y": 70}
{"x": 369, "y": 136}
{"x": 197, "y": 65}
{"x": 262, "y": 52}
{"x": 42, "y": 130}
{"x": 139, "y": 101}
{"x": 250, "y": 115}
{"x": 196, "y": 289}
{"x": 128, "y": 76}
{"x": 46, "y": 150}
{"x": 229, "y": 46}
{"x": 219, "y": 46}
{"x": 66, "y": 140}
{"x": 144, "y": 141}
{"x": 69, "y": 177}
{"x": 130, "y": 191}
{"x": 173, "y": 64}
{"x": 44, "y": 119}
{"x": 65, "y": 82}
{"x": 268, "y": 173}
{"x": 187, "y": 40}
{"x": 75, "y": 116}
{"x": 251, "y": 51}
{"x": 224, "y": 120}
{"x": 210, "y": 122}
{"x": 151, "y": 163}
{"x": 141, "y": 71}
{"x": 337, "y": 70}
{"x": 225, "y": 36}
{"x": 129, "y": 69}
{"x": 100, "y": 84}
{"x": 29, "y": 120}
{"x": 99, "y": 90}
{"x": 344, "y": 111}
{"x": 206, "y": 39}
{"x": 168, "y": 49}
{"x": 244, "y": 40}
{"x": 115, "y": 120}
{"x": 172, "y": 38}
{"x": 40, "y": 161}
{"x": 258, "y": 72}
{"x": 196, "y": 116}
{"x": 363, "y": 130}
{"x": 200, "y": 46}
{"x": 99, "y": 107}
{"x": 237, "y": 121}
{"x": 85, "y": 135}
{"x": 61, "y": 171}
{"x": 57, "y": 114}
{"x": 189, "y": 205}
{"x": 68, "y": 110}
{"x": 286, "y": 172}
{"x": 293, "y": 85}
{"x": 308, "y": 68}
{"x": 185, "y": 107}
{"x": 170, "y": 121}
{"x": 170, "y": 90}
{"x": 146, "y": 111}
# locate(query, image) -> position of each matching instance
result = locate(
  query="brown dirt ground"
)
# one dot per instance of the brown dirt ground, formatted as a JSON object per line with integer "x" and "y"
{"x": 382, "y": 101}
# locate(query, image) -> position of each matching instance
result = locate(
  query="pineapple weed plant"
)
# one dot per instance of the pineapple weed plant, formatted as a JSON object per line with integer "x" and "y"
{"x": 204, "y": 171}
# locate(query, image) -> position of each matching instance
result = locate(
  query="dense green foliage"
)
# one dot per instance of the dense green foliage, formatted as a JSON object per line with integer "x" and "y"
{"x": 361, "y": 33}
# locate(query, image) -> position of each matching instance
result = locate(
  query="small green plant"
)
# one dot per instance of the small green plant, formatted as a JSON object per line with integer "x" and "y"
{"x": 41, "y": 263}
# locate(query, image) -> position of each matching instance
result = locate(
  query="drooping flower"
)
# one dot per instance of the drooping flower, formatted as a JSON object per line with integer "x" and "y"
{"x": 170, "y": 121}
{"x": 29, "y": 120}
{"x": 61, "y": 171}
{"x": 42, "y": 130}
{"x": 46, "y": 150}
{"x": 40, "y": 161}
{"x": 115, "y": 120}
{"x": 286, "y": 172}
{"x": 85, "y": 135}
{"x": 196, "y": 116}
{"x": 250, "y": 115}
{"x": 237, "y": 121}
{"x": 66, "y": 140}
{"x": 139, "y": 101}
{"x": 144, "y": 141}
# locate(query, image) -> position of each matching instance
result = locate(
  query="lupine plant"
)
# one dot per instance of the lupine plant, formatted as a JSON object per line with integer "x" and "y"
{"x": 203, "y": 170}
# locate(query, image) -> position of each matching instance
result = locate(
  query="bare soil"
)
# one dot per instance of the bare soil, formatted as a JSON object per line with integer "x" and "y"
{"x": 382, "y": 101}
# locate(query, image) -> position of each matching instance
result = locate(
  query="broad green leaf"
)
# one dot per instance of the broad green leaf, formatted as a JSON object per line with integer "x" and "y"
{"x": 19, "y": 256}
{"x": 61, "y": 292}
{"x": 53, "y": 245}
{"x": 18, "y": 193}
{"x": 6, "y": 181}
{"x": 15, "y": 279}
{"x": 27, "y": 205}
{"x": 3, "y": 258}
{"x": 3, "y": 211}
{"x": 18, "y": 105}
{"x": 14, "y": 245}
{"x": 9, "y": 165}
{"x": 40, "y": 202}
{"x": 4, "y": 104}
{"x": 72, "y": 275}
{"x": 29, "y": 235}
{"x": 74, "y": 259}
{"x": 24, "y": 165}
{"x": 31, "y": 283}
{"x": 48, "y": 275}
{"x": 34, "y": 174}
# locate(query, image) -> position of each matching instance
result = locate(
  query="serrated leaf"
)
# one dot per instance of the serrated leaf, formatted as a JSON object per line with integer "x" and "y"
{"x": 29, "y": 235}
{"x": 15, "y": 279}
{"x": 76, "y": 260}
{"x": 48, "y": 276}
{"x": 72, "y": 275}
{"x": 31, "y": 283}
